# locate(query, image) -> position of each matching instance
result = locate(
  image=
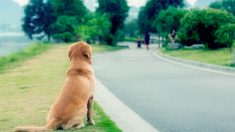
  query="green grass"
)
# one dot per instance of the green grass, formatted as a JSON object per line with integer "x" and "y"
{"x": 103, "y": 48}
{"x": 221, "y": 57}
{"x": 28, "y": 90}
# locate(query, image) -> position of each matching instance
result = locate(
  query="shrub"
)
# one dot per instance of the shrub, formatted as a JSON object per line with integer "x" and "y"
{"x": 64, "y": 29}
{"x": 226, "y": 35}
{"x": 200, "y": 25}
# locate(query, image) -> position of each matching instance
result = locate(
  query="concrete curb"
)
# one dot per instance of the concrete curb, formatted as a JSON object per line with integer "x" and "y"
{"x": 194, "y": 64}
{"x": 126, "y": 119}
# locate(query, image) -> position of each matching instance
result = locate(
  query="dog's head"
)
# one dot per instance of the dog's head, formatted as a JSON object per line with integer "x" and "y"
{"x": 80, "y": 50}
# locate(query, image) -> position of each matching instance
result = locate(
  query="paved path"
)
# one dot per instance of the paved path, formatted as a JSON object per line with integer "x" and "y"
{"x": 170, "y": 97}
{"x": 126, "y": 119}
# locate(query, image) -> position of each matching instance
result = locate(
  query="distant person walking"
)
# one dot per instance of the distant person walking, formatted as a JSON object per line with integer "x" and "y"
{"x": 139, "y": 41}
{"x": 146, "y": 40}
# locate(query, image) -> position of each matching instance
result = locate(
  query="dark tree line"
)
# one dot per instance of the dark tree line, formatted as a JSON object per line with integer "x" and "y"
{"x": 39, "y": 16}
{"x": 213, "y": 28}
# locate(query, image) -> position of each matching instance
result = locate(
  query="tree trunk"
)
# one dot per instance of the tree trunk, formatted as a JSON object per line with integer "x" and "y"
{"x": 49, "y": 37}
{"x": 233, "y": 61}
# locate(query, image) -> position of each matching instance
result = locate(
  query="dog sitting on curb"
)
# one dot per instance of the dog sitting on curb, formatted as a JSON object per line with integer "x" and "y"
{"x": 75, "y": 100}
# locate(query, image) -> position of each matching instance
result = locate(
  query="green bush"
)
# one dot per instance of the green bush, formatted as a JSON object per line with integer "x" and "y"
{"x": 226, "y": 35}
{"x": 200, "y": 25}
{"x": 64, "y": 29}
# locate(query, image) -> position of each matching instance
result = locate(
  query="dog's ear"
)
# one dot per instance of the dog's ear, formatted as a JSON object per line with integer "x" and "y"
{"x": 87, "y": 53}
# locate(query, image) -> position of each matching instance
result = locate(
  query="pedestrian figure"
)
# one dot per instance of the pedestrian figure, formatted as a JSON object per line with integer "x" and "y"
{"x": 173, "y": 40}
{"x": 139, "y": 41}
{"x": 146, "y": 40}
{"x": 172, "y": 36}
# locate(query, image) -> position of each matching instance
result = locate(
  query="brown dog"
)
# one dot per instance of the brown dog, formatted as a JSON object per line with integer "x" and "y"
{"x": 75, "y": 100}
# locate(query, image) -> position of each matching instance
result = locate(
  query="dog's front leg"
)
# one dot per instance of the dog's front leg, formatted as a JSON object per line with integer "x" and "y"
{"x": 90, "y": 111}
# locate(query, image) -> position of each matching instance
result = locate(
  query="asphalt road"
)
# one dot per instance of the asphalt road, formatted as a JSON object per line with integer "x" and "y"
{"x": 171, "y": 97}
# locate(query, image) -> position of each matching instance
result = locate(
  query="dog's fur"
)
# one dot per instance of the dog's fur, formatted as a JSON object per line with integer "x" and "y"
{"x": 75, "y": 100}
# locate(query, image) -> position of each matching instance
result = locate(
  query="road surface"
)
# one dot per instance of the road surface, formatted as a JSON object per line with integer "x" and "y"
{"x": 171, "y": 97}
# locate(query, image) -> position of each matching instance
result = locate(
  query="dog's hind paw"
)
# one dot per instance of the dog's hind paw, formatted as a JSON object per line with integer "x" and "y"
{"x": 91, "y": 122}
{"x": 80, "y": 126}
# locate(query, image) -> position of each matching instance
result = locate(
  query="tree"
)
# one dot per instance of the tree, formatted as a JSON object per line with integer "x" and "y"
{"x": 228, "y": 5}
{"x": 69, "y": 15}
{"x": 38, "y": 20}
{"x": 216, "y": 5}
{"x": 96, "y": 27}
{"x": 117, "y": 11}
{"x": 200, "y": 25}
{"x": 151, "y": 9}
{"x": 169, "y": 19}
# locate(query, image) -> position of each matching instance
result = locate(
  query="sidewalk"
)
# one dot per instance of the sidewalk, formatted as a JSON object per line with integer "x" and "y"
{"x": 126, "y": 119}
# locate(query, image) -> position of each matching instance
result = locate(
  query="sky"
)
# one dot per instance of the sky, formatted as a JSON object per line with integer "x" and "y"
{"x": 21, "y": 2}
{"x": 136, "y": 3}
{"x": 192, "y": 2}
{"x": 139, "y": 3}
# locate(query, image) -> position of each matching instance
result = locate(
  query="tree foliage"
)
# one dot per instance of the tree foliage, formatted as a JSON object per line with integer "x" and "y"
{"x": 69, "y": 15}
{"x": 64, "y": 28}
{"x": 169, "y": 19}
{"x": 200, "y": 25}
{"x": 38, "y": 20}
{"x": 151, "y": 9}
{"x": 54, "y": 18}
{"x": 131, "y": 28}
{"x": 96, "y": 27}
{"x": 216, "y": 5}
{"x": 117, "y": 11}
{"x": 228, "y": 5}
{"x": 226, "y": 34}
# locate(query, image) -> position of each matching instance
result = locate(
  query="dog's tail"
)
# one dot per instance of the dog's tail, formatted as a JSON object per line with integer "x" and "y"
{"x": 52, "y": 124}
{"x": 31, "y": 129}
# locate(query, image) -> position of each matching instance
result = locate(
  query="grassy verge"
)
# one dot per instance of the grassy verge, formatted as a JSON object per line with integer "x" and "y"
{"x": 221, "y": 57}
{"x": 28, "y": 90}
